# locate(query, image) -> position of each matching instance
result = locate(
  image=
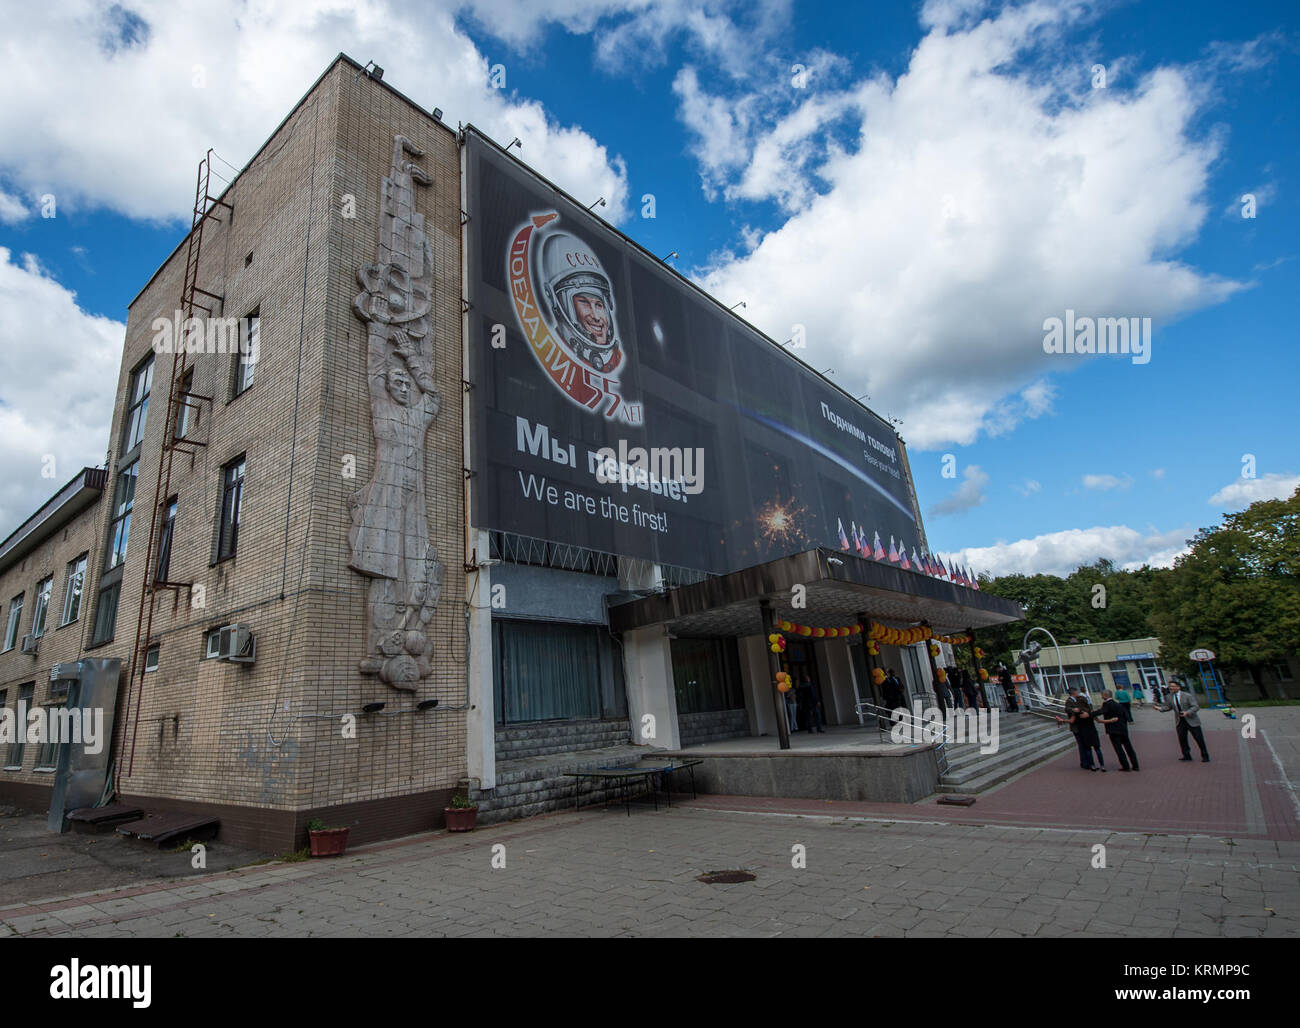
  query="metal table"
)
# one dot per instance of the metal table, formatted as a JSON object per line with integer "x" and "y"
{"x": 624, "y": 777}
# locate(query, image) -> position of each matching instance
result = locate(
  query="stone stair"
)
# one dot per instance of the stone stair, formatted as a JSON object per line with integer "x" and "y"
{"x": 527, "y": 786}
{"x": 1024, "y": 740}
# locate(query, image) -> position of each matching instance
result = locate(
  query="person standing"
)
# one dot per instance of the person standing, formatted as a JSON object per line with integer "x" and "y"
{"x": 893, "y": 690}
{"x": 1079, "y": 717}
{"x": 968, "y": 690}
{"x": 791, "y": 710}
{"x": 811, "y": 702}
{"x": 1186, "y": 720}
{"x": 1124, "y": 700}
{"x": 953, "y": 682}
{"x": 1113, "y": 715}
{"x": 1008, "y": 687}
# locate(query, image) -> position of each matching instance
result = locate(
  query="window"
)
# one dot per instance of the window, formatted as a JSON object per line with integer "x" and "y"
{"x": 47, "y": 757}
{"x": 106, "y": 614}
{"x": 72, "y": 590}
{"x": 15, "y": 617}
{"x": 1283, "y": 672}
{"x": 164, "y": 563}
{"x": 246, "y": 358}
{"x": 706, "y": 675}
{"x": 43, "y": 589}
{"x": 151, "y": 657}
{"x": 232, "y": 497}
{"x": 212, "y": 644}
{"x": 546, "y": 671}
{"x": 187, "y": 413}
{"x": 137, "y": 405}
{"x": 15, "y": 758}
{"x": 119, "y": 530}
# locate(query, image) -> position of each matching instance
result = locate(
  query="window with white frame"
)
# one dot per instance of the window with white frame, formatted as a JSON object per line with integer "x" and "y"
{"x": 15, "y": 618}
{"x": 43, "y": 589}
{"x": 72, "y": 589}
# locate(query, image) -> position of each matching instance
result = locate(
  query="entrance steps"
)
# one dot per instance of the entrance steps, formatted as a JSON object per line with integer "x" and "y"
{"x": 1024, "y": 740}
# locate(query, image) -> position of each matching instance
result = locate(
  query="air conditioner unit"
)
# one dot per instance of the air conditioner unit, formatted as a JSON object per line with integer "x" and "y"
{"x": 66, "y": 671}
{"x": 31, "y": 644}
{"x": 237, "y": 644}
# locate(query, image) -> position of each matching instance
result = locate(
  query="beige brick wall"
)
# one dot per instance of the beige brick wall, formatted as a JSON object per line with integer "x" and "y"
{"x": 60, "y": 642}
{"x": 256, "y": 735}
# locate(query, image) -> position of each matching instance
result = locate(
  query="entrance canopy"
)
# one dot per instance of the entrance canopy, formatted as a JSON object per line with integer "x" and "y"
{"x": 839, "y": 586}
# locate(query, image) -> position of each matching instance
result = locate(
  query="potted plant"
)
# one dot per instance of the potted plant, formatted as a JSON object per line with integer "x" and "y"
{"x": 326, "y": 841}
{"x": 462, "y": 815}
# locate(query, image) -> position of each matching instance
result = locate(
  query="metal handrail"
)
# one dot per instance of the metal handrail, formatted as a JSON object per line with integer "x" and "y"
{"x": 901, "y": 715}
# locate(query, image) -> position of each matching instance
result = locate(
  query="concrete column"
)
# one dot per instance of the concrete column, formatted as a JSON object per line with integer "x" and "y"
{"x": 651, "y": 698}
{"x": 480, "y": 719}
{"x": 754, "y": 669}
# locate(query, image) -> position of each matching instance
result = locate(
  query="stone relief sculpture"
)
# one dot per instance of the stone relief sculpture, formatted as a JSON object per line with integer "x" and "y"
{"x": 390, "y": 531}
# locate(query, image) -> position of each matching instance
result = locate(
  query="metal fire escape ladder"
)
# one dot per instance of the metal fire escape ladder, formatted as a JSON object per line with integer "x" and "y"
{"x": 205, "y": 206}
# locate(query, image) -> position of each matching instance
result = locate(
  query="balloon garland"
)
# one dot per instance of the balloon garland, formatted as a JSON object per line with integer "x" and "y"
{"x": 783, "y": 683}
{"x": 874, "y": 630}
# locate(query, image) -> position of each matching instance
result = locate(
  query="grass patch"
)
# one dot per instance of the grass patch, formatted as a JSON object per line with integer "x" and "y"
{"x": 1266, "y": 703}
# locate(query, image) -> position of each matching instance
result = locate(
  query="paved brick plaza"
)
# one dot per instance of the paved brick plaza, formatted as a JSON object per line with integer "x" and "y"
{"x": 1224, "y": 865}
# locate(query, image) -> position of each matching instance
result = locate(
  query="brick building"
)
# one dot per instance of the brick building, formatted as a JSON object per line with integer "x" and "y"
{"x": 312, "y": 617}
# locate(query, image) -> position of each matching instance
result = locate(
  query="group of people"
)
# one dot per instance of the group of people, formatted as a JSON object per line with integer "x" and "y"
{"x": 1116, "y": 714}
{"x": 803, "y": 706}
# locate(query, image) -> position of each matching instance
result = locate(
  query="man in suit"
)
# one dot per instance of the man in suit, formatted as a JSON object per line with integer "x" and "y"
{"x": 1079, "y": 717}
{"x": 1113, "y": 715}
{"x": 1186, "y": 720}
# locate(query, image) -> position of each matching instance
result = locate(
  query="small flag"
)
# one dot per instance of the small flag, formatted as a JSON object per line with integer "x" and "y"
{"x": 844, "y": 539}
{"x": 878, "y": 551}
{"x": 916, "y": 561}
{"x": 906, "y": 564}
{"x": 893, "y": 551}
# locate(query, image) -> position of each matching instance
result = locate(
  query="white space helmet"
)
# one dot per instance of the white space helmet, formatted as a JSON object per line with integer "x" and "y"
{"x": 570, "y": 268}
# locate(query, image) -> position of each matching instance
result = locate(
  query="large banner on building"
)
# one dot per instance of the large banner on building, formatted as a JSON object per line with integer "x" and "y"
{"x": 614, "y": 406}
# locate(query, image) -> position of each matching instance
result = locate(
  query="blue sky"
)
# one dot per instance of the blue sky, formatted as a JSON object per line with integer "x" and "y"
{"x": 945, "y": 177}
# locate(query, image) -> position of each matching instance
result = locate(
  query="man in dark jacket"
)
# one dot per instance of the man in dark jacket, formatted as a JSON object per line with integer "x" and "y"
{"x": 1113, "y": 715}
{"x": 1008, "y": 688}
{"x": 1080, "y": 719}
{"x": 811, "y": 701}
{"x": 895, "y": 696}
{"x": 968, "y": 689}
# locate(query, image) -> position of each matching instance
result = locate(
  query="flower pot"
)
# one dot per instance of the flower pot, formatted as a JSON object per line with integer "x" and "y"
{"x": 329, "y": 842}
{"x": 460, "y": 819}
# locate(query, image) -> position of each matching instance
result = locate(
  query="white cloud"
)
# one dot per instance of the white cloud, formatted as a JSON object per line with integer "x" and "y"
{"x": 978, "y": 197}
{"x": 1106, "y": 482}
{"x": 1059, "y": 553}
{"x": 59, "y": 405}
{"x": 1243, "y": 492}
{"x": 633, "y": 34}
{"x": 969, "y": 495}
{"x": 12, "y": 209}
{"x": 1032, "y": 485}
{"x": 1158, "y": 473}
{"x": 122, "y": 125}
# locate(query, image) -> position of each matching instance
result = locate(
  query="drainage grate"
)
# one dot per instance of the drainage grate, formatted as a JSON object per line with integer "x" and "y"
{"x": 726, "y": 877}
